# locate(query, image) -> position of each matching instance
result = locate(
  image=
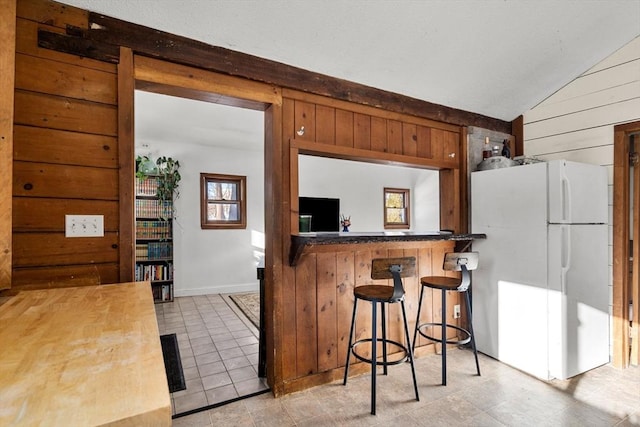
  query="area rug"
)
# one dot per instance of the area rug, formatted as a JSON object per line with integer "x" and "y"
{"x": 172, "y": 363}
{"x": 249, "y": 304}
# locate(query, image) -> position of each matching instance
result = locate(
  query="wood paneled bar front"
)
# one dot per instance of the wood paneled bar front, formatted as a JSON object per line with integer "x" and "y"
{"x": 327, "y": 268}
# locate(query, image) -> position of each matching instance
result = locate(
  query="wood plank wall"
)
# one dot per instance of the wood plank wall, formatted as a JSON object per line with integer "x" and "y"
{"x": 67, "y": 123}
{"x": 321, "y": 284}
{"x": 65, "y": 155}
{"x": 577, "y": 121}
{"x": 7, "y": 77}
{"x": 319, "y": 124}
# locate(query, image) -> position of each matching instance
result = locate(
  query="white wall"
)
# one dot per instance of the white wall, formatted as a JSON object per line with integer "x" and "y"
{"x": 225, "y": 261}
{"x": 359, "y": 186}
{"x": 576, "y": 123}
{"x": 214, "y": 261}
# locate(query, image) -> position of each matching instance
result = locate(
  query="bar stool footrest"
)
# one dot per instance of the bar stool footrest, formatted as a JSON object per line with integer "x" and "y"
{"x": 465, "y": 340}
{"x": 397, "y": 344}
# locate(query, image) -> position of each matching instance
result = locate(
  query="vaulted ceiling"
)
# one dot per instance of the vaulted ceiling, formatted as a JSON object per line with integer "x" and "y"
{"x": 498, "y": 58}
{"x": 494, "y": 57}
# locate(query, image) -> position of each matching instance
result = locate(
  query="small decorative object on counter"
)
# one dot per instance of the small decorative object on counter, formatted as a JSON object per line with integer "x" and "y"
{"x": 305, "y": 223}
{"x": 506, "y": 152}
{"x": 345, "y": 222}
{"x": 496, "y": 149}
{"x": 486, "y": 149}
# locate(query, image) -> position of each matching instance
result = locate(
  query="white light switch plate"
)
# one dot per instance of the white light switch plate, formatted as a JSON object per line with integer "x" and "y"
{"x": 84, "y": 225}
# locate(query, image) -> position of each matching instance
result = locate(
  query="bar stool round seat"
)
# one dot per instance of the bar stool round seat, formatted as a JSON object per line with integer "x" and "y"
{"x": 445, "y": 284}
{"x": 379, "y": 294}
{"x": 383, "y": 268}
{"x": 461, "y": 261}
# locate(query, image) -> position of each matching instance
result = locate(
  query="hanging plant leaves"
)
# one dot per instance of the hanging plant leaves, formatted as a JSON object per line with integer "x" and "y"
{"x": 168, "y": 178}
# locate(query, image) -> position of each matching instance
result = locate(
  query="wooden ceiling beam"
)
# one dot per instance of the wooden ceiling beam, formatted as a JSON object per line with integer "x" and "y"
{"x": 106, "y": 34}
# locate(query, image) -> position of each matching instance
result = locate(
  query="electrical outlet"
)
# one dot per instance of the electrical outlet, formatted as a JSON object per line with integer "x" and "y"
{"x": 84, "y": 225}
{"x": 456, "y": 311}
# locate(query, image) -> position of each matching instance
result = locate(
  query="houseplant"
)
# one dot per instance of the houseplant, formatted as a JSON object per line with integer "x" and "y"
{"x": 145, "y": 166}
{"x": 168, "y": 178}
{"x": 166, "y": 174}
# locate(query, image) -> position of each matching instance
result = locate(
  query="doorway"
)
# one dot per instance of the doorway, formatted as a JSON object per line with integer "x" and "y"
{"x": 214, "y": 139}
{"x": 626, "y": 246}
{"x": 218, "y": 346}
{"x": 158, "y": 77}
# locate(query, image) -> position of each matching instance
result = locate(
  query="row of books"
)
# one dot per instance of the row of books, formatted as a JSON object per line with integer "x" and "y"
{"x": 153, "y": 250}
{"x": 153, "y": 208}
{"x": 146, "y": 186}
{"x": 153, "y": 229}
{"x": 154, "y": 272}
{"x": 162, "y": 293}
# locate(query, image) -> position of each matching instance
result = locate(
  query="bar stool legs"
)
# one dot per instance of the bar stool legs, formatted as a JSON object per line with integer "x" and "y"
{"x": 353, "y": 326}
{"x": 453, "y": 261}
{"x": 383, "y": 269}
{"x": 410, "y": 351}
{"x": 374, "y": 349}
{"x": 473, "y": 336}
{"x": 468, "y": 335}
{"x": 444, "y": 337}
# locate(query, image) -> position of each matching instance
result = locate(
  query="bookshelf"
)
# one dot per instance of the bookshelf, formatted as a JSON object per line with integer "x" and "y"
{"x": 154, "y": 239}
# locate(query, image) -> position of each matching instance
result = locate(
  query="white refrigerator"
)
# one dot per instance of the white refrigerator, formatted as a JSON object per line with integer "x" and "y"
{"x": 540, "y": 295}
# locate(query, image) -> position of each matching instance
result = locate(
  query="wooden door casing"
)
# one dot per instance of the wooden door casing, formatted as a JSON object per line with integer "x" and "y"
{"x": 626, "y": 282}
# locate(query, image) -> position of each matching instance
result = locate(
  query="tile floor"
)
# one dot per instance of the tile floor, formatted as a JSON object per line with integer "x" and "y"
{"x": 218, "y": 347}
{"x": 502, "y": 396}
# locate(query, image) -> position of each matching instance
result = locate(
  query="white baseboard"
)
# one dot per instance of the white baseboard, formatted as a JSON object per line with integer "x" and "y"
{"x": 227, "y": 289}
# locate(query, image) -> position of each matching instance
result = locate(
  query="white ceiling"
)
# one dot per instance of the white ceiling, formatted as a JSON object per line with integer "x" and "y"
{"x": 494, "y": 57}
{"x": 162, "y": 118}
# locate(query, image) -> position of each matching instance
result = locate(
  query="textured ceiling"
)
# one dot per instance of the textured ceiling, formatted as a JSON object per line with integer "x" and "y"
{"x": 494, "y": 57}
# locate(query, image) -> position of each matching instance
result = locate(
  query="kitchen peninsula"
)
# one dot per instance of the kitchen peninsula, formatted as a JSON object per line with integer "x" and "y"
{"x": 325, "y": 268}
{"x": 311, "y": 241}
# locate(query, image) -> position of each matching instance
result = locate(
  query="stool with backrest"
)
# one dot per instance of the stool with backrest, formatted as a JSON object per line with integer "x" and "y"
{"x": 453, "y": 261}
{"x": 383, "y": 268}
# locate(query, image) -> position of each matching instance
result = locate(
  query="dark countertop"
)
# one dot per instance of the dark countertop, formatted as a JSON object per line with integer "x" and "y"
{"x": 301, "y": 240}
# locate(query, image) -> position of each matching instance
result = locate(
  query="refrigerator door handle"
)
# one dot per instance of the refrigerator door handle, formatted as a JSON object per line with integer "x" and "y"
{"x": 566, "y": 265}
{"x": 566, "y": 255}
{"x": 566, "y": 198}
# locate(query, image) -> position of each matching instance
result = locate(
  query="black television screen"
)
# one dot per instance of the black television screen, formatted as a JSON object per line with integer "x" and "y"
{"x": 325, "y": 212}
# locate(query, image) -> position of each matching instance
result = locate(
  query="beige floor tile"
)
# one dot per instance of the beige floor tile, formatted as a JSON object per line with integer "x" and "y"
{"x": 501, "y": 396}
{"x": 202, "y": 324}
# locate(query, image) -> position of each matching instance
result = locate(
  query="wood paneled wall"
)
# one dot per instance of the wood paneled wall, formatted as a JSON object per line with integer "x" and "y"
{"x": 320, "y": 295}
{"x": 323, "y": 126}
{"x": 7, "y": 77}
{"x": 318, "y": 292}
{"x": 65, "y": 155}
{"x": 73, "y": 114}
{"x": 576, "y": 122}
{"x": 347, "y": 130}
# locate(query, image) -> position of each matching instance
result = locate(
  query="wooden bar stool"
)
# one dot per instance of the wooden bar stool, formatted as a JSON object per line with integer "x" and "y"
{"x": 453, "y": 261}
{"x": 383, "y": 268}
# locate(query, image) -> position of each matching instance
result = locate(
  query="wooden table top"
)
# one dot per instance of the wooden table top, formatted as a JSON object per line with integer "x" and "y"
{"x": 83, "y": 356}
